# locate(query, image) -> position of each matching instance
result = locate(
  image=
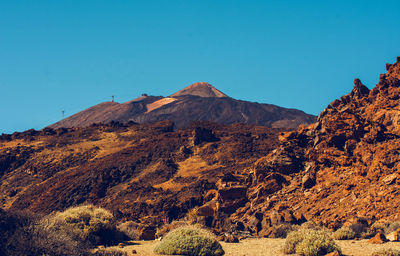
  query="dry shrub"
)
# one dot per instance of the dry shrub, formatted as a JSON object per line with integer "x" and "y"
{"x": 293, "y": 239}
{"x": 361, "y": 228}
{"x": 86, "y": 224}
{"x": 109, "y": 252}
{"x": 393, "y": 226}
{"x": 130, "y": 229}
{"x": 344, "y": 233}
{"x": 25, "y": 236}
{"x": 310, "y": 225}
{"x": 191, "y": 241}
{"x": 282, "y": 230}
{"x": 386, "y": 252}
{"x": 381, "y": 226}
{"x": 310, "y": 242}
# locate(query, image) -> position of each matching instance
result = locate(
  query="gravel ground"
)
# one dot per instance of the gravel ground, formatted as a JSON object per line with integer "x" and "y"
{"x": 266, "y": 247}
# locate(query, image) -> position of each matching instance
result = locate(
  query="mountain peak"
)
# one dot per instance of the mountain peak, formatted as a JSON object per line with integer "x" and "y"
{"x": 202, "y": 89}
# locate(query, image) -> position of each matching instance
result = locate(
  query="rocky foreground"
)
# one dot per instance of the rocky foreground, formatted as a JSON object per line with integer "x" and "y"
{"x": 236, "y": 177}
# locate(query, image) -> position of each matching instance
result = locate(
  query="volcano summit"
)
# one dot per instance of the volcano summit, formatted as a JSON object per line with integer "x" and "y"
{"x": 197, "y": 102}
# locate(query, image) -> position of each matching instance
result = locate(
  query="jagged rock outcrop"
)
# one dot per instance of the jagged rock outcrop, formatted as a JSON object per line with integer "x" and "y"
{"x": 343, "y": 166}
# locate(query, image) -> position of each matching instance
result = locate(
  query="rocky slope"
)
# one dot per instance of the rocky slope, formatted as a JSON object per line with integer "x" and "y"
{"x": 345, "y": 166}
{"x": 230, "y": 177}
{"x": 197, "y": 102}
{"x": 146, "y": 173}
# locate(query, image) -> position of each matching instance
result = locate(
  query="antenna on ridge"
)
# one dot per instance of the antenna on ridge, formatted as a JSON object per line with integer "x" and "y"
{"x": 112, "y": 97}
{"x": 62, "y": 112}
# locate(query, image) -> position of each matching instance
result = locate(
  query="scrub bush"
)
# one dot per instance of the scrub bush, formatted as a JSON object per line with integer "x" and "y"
{"x": 191, "y": 241}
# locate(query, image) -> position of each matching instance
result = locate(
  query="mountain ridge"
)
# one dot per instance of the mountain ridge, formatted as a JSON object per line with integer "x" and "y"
{"x": 197, "y": 102}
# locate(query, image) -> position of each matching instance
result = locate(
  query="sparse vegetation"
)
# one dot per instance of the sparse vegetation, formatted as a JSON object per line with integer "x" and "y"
{"x": 309, "y": 242}
{"x": 86, "y": 224}
{"x": 361, "y": 229}
{"x": 191, "y": 241}
{"x": 310, "y": 225}
{"x": 384, "y": 227}
{"x": 165, "y": 229}
{"x": 282, "y": 230}
{"x": 386, "y": 252}
{"x": 109, "y": 252}
{"x": 21, "y": 234}
{"x": 344, "y": 233}
{"x": 130, "y": 229}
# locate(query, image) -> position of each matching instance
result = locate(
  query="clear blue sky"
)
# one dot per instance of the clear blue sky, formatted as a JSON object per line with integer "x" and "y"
{"x": 70, "y": 55}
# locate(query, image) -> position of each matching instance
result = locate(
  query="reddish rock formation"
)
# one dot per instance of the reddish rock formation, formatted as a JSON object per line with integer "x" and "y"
{"x": 378, "y": 239}
{"x": 240, "y": 178}
{"x": 343, "y": 166}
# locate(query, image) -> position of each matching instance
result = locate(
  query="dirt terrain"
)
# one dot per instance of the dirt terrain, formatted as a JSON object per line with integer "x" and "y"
{"x": 266, "y": 247}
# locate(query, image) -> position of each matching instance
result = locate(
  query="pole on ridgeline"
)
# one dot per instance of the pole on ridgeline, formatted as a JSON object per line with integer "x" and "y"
{"x": 62, "y": 112}
{"x": 112, "y": 97}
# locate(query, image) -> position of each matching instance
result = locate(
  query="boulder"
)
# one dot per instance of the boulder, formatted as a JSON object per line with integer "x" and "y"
{"x": 379, "y": 238}
{"x": 394, "y": 236}
{"x": 208, "y": 209}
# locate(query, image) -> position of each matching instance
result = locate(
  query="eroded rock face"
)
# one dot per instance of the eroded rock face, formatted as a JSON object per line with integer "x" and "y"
{"x": 343, "y": 166}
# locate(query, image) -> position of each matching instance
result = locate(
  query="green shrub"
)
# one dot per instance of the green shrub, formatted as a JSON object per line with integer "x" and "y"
{"x": 309, "y": 242}
{"x": 344, "y": 233}
{"x": 86, "y": 224}
{"x": 191, "y": 241}
{"x": 386, "y": 252}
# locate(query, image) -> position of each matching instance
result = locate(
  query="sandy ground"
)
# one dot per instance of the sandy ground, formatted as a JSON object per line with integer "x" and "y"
{"x": 266, "y": 247}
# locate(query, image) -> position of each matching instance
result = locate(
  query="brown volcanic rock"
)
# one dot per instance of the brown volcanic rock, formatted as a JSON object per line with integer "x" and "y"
{"x": 146, "y": 173}
{"x": 197, "y": 102}
{"x": 378, "y": 239}
{"x": 346, "y": 163}
{"x": 240, "y": 178}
